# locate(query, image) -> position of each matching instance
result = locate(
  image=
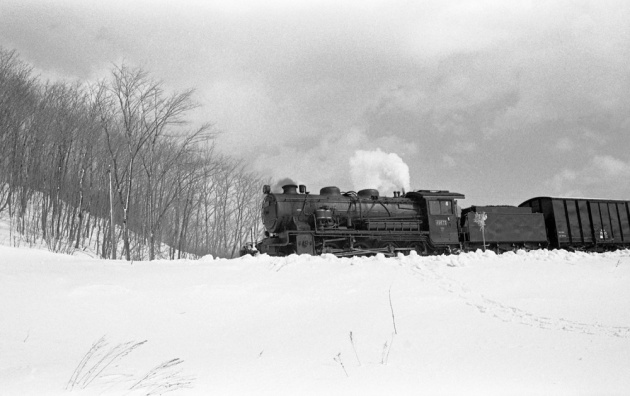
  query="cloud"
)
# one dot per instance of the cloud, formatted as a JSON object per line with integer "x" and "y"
{"x": 470, "y": 94}
{"x": 449, "y": 161}
{"x": 610, "y": 167}
{"x": 453, "y": 27}
{"x": 465, "y": 147}
{"x": 603, "y": 176}
{"x": 565, "y": 144}
{"x": 325, "y": 160}
{"x": 563, "y": 183}
{"x": 318, "y": 162}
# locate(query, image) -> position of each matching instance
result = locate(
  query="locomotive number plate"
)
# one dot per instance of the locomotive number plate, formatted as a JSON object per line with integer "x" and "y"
{"x": 441, "y": 222}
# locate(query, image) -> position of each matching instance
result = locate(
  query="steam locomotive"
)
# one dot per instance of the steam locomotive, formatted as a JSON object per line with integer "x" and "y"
{"x": 431, "y": 222}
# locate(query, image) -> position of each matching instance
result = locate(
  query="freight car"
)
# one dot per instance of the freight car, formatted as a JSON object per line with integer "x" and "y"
{"x": 584, "y": 224}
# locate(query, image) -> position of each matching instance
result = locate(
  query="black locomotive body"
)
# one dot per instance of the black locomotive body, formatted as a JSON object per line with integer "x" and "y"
{"x": 352, "y": 223}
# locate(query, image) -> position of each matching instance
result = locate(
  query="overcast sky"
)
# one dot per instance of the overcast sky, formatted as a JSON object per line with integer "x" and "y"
{"x": 499, "y": 100}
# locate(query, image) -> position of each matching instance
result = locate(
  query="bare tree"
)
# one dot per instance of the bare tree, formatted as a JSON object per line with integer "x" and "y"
{"x": 136, "y": 114}
{"x": 58, "y": 141}
{"x": 18, "y": 102}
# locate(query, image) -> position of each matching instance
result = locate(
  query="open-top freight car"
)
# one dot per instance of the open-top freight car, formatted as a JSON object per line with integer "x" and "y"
{"x": 584, "y": 224}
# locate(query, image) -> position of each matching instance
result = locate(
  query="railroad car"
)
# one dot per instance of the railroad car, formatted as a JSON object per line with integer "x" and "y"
{"x": 584, "y": 224}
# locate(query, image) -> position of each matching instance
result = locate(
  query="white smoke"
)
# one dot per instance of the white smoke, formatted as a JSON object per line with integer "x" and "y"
{"x": 386, "y": 172}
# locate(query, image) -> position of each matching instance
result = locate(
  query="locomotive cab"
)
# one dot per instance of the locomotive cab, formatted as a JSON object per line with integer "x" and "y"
{"x": 442, "y": 221}
{"x": 441, "y": 216}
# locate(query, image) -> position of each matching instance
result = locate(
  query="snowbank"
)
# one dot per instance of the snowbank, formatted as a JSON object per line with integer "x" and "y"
{"x": 519, "y": 324}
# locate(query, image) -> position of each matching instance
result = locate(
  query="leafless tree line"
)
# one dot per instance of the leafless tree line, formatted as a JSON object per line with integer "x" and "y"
{"x": 114, "y": 166}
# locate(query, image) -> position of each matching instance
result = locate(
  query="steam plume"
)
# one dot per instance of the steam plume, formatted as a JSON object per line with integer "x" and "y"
{"x": 386, "y": 172}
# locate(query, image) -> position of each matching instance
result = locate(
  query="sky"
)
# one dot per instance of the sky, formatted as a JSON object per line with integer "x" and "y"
{"x": 501, "y": 101}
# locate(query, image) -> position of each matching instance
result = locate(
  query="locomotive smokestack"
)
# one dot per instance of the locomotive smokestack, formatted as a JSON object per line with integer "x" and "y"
{"x": 289, "y": 189}
{"x": 283, "y": 182}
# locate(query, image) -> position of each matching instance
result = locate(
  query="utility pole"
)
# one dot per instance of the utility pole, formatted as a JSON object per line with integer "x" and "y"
{"x": 111, "y": 213}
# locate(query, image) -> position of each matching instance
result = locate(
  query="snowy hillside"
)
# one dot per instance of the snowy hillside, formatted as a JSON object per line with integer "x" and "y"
{"x": 476, "y": 324}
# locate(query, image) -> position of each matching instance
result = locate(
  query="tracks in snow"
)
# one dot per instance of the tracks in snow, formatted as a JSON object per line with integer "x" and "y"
{"x": 509, "y": 314}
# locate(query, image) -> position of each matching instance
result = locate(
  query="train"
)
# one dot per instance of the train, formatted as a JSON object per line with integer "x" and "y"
{"x": 431, "y": 222}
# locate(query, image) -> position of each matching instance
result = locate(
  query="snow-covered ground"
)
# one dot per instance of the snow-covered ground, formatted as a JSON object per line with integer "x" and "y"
{"x": 537, "y": 323}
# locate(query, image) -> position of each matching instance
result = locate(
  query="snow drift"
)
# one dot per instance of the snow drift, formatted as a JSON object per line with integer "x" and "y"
{"x": 527, "y": 323}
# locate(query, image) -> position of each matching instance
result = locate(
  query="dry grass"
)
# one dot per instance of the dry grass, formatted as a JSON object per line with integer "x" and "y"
{"x": 98, "y": 364}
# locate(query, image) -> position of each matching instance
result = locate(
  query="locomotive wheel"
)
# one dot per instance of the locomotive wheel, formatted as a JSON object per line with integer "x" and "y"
{"x": 327, "y": 250}
{"x": 330, "y": 247}
{"x": 363, "y": 246}
{"x": 390, "y": 246}
{"x": 420, "y": 248}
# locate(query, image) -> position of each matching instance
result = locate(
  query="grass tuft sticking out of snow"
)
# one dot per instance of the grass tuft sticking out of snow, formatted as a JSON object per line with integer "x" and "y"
{"x": 164, "y": 378}
{"x": 99, "y": 362}
{"x": 98, "y": 359}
